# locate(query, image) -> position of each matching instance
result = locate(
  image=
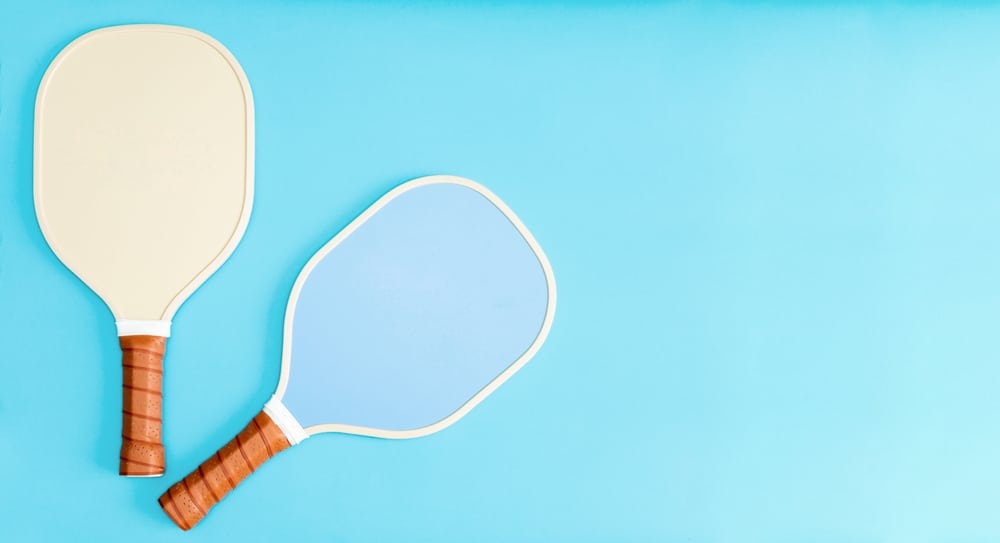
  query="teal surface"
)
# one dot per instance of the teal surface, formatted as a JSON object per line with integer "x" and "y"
{"x": 774, "y": 227}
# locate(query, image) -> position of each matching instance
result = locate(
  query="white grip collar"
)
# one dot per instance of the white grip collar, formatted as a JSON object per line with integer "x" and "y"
{"x": 284, "y": 419}
{"x": 143, "y": 328}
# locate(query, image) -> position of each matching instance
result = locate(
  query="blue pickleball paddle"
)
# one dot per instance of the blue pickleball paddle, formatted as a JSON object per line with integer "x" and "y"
{"x": 396, "y": 328}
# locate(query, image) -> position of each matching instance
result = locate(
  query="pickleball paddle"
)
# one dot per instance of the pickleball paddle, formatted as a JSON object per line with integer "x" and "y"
{"x": 396, "y": 328}
{"x": 143, "y": 188}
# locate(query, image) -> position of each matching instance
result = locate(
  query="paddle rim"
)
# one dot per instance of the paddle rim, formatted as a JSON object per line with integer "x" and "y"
{"x": 244, "y": 219}
{"x": 286, "y": 353}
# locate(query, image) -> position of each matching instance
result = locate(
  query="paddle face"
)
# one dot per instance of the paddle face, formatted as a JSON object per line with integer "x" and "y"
{"x": 143, "y": 163}
{"x": 414, "y": 313}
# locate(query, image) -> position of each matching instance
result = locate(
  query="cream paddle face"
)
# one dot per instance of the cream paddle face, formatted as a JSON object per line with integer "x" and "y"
{"x": 142, "y": 167}
{"x": 143, "y": 186}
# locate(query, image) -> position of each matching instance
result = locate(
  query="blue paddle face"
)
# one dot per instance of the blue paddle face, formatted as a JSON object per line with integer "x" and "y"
{"x": 416, "y": 311}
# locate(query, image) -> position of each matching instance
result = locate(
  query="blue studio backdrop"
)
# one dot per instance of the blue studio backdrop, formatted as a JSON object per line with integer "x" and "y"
{"x": 774, "y": 227}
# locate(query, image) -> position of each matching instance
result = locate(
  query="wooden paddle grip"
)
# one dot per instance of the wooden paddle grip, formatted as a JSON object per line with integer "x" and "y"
{"x": 190, "y": 499}
{"x": 142, "y": 452}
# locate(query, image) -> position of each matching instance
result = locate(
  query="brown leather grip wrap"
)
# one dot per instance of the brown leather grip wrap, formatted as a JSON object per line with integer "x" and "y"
{"x": 142, "y": 399}
{"x": 189, "y": 500}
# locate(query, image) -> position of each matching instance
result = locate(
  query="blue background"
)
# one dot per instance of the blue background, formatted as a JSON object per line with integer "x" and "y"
{"x": 774, "y": 231}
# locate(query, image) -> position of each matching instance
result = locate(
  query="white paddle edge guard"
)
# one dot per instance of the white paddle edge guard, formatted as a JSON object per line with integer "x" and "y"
{"x": 550, "y": 310}
{"x": 174, "y": 304}
{"x": 143, "y": 328}
{"x": 284, "y": 419}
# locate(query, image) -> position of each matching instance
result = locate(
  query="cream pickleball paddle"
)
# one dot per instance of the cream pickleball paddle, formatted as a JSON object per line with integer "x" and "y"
{"x": 143, "y": 188}
{"x": 396, "y": 328}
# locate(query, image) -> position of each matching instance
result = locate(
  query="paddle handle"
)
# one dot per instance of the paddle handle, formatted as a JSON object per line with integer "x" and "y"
{"x": 190, "y": 499}
{"x": 142, "y": 452}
